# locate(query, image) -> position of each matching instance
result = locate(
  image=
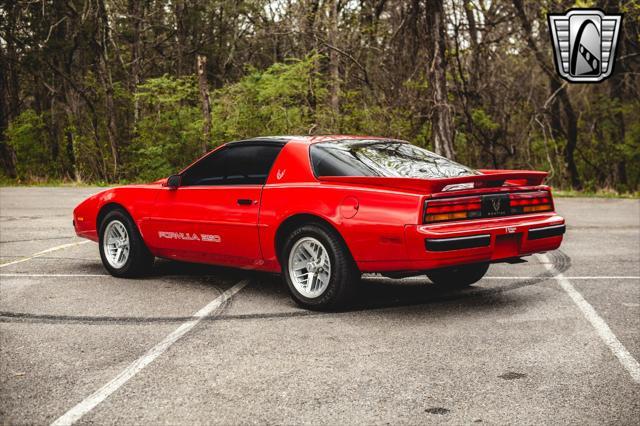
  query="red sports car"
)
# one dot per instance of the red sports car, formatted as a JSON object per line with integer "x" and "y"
{"x": 322, "y": 211}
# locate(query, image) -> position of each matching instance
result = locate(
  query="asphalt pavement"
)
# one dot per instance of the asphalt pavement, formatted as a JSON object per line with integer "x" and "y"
{"x": 552, "y": 340}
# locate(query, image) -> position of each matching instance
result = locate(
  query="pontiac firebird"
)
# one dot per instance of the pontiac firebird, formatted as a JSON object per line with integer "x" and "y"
{"x": 324, "y": 210}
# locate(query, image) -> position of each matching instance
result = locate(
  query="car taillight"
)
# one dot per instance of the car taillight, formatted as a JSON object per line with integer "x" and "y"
{"x": 530, "y": 202}
{"x": 441, "y": 210}
{"x": 453, "y": 209}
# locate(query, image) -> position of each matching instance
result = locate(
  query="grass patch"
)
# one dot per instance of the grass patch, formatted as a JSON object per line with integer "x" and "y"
{"x": 601, "y": 193}
{"x": 7, "y": 182}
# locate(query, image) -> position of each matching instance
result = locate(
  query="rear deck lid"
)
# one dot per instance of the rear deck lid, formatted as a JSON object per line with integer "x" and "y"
{"x": 488, "y": 179}
{"x": 401, "y": 165}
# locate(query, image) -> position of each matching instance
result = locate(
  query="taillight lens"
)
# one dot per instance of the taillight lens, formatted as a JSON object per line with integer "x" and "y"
{"x": 530, "y": 202}
{"x": 471, "y": 207}
{"x": 453, "y": 209}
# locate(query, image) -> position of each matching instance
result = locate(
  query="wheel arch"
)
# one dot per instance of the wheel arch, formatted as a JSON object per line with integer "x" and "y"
{"x": 295, "y": 221}
{"x": 109, "y": 207}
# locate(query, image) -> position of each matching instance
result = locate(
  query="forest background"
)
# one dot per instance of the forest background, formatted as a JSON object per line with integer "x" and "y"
{"x": 112, "y": 91}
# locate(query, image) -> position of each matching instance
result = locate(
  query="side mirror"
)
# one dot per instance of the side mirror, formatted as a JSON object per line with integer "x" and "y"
{"x": 173, "y": 181}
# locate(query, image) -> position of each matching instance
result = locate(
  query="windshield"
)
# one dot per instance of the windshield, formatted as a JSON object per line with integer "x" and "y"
{"x": 382, "y": 158}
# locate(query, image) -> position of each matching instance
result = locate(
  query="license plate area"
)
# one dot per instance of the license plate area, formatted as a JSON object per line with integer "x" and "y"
{"x": 507, "y": 246}
{"x": 495, "y": 205}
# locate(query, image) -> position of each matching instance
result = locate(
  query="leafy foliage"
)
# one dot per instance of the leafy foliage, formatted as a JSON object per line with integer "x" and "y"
{"x": 112, "y": 94}
{"x": 166, "y": 137}
{"x": 276, "y": 101}
{"x": 26, "y": 135}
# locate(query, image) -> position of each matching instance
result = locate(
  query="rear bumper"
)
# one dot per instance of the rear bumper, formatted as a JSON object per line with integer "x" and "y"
{"x": 487, "y": 240}
{"x": 546, "y": 232}
{"x": 457, "y": 243}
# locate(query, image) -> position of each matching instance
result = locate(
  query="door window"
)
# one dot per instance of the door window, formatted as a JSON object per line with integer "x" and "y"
{"x": 233, "y": 165}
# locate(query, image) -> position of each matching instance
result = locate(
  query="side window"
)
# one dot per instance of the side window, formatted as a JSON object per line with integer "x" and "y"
{"x": 235, "y": 165}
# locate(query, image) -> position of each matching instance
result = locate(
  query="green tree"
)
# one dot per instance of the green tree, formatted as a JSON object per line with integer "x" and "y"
{"x": 167, "y": 137}
{"x": 26, "y": 135}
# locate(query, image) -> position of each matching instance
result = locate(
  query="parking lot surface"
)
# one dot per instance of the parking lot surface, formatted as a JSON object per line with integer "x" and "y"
{"x": 552, "y": 340}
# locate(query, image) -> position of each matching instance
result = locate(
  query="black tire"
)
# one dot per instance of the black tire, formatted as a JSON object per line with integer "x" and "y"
{"x": 140, "y": 259}
{"x": 344, "y": 277}
{"x": 458, "y": 276}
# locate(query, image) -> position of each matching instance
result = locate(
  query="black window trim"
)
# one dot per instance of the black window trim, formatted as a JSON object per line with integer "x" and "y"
{"x": 241, "y": 143}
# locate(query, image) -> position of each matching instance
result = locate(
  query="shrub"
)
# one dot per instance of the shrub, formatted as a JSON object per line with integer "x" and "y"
{"x": 26, "y": 135}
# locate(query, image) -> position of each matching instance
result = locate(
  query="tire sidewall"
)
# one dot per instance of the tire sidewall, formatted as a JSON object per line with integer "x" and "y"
{"x": 331, "y": 246}
{"x": 134, "y": 242}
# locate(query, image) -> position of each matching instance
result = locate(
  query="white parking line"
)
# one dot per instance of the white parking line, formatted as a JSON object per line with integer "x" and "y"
{"x": 603, "y": 330}
{"x": 89, "y": 403}
{"x": 42, "y": 253}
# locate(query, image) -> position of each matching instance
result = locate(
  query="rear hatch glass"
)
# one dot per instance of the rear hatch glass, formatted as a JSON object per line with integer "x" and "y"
{"x": 382, "y": 158}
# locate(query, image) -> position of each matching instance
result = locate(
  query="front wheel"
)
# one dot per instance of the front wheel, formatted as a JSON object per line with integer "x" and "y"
{"x": 122, "y": 249}
{"x": 318, "y": 268}
{"x": 458, "y": 276}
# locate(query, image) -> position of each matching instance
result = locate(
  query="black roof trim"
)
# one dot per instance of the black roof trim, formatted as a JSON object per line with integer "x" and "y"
{"x": 280, "y": 141}
{"x": 280, "y": 138}
{"x": 283, "y": 138}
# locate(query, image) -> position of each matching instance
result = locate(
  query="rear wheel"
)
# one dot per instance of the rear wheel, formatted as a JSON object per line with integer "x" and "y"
{"x": 122, "y": 249}
{"x": 458, "y": 276}
{"x": 318, "y": 268}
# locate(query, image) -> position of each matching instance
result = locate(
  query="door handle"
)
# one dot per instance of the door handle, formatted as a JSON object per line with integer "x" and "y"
{"x": 244, "y": 202}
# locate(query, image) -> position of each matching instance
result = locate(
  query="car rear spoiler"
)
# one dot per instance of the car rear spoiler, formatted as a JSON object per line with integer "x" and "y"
{"x": 488, "y": 178}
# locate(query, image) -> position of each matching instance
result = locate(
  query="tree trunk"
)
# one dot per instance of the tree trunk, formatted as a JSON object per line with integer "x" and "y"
{"x": 572, "y": 140}
{"x": 136, "y": 10}
{"x": 181, "y": 36}
{"x": 571, "y": 128}
{"x": 334, "y": 70}
{"x": 104, "y": 73}
{"x": 72, "y": 111}
{"x": 9, "y": 91}
{"x": 475, "y": 43}
{"x": 310, "y": 12}
{"x": 617, "y": 91}
{"x": 201, "y": 67}
{"x": 441, "y": 118}
{"x": 413, "y": 21}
